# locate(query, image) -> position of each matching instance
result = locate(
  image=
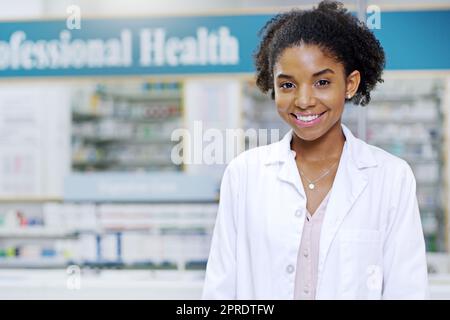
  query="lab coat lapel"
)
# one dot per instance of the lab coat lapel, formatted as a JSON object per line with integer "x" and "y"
{"x": 350, "y": 181}
{"x": 348, "y": 185}
{"x": 289, "y": 173}
{"x": 282, "y": 155}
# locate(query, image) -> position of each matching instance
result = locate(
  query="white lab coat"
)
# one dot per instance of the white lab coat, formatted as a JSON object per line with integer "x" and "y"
{"x": 371, "y": 245}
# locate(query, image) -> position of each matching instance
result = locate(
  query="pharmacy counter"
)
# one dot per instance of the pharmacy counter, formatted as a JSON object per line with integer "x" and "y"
{"x": 126, "y": 284}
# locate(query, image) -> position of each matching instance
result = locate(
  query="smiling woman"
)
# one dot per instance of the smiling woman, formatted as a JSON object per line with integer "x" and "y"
{"x": 319, "y": 214}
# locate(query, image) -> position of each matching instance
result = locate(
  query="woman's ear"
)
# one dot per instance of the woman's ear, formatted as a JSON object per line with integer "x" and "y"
{"x": 353, "y": 80}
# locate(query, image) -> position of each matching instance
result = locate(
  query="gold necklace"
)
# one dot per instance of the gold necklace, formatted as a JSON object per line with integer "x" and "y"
{"x": 311, "y": 184}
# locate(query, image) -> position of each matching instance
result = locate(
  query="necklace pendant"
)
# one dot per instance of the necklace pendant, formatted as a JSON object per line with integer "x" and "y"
{"x": 311, "y": 186}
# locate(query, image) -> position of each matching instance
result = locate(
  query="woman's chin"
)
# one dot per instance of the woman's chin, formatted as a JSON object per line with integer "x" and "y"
{"x": 307, "y": 135}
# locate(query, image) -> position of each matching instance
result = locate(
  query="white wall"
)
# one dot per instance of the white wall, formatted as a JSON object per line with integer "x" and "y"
{"x": 38, "y": 8}
{"x": 20, "y": 9}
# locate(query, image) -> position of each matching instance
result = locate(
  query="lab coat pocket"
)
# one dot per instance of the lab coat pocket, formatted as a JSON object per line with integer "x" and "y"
{"x": 360, "y": 264}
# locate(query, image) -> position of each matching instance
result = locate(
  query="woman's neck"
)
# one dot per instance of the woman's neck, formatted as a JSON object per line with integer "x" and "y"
{"x": 328, "y": 146}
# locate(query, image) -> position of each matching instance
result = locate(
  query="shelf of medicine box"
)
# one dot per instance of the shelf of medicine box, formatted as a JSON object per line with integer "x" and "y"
{"x": 40, "y": 263}
{"x": 163, "y": 95}
{"x": 130, "y": 168}
{"x": 391, "y": 120}
{"x": 165, "y": 226}
{"x": 128, "y": 163}
{"x": 434, "y": 142}
{"x": 84, "y": 117}
{"x": 385, "y": 97}
{"x": 185, "y": 222}
{"x": 431, "y": 219}
{"x": 105, "y": 140}
{"x": 19, "y": 263}
{"x": 18, "y": 199}
{"x": 194, "y": 227}
{"x": 417, "y": 160}
{"x": 255, "y": 94}
{"x": 423, "y": 183}
{"x": 195, "y": 265}
{"x": 144, "y": 265}
{"x": 149, "y": 168}
{"x": 429, "y": 208}
{"x": 100, "y": 164}
{"x": 36, "y": 232}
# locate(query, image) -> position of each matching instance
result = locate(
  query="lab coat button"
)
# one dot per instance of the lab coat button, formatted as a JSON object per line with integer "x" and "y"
{"x": 306, "y": 289}
{"x": 298, "y": 213}
{"x": 290, "y": 268}
{"x": 305, "y": 253}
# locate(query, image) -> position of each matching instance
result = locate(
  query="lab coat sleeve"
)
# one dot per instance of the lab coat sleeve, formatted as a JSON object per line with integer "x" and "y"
{"x": 405, "y": 267}
{"x": 220, "y": 281}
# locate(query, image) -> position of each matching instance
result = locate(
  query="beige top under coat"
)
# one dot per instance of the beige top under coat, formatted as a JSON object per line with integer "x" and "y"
{"x": 308, "y": 254}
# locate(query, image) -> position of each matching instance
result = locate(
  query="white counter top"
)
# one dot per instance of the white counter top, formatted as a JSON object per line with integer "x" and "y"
{"x": 127, "y": 284}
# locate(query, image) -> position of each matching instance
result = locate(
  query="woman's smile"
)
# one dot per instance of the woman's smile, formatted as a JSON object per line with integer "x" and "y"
{"x": 307, "y": 120}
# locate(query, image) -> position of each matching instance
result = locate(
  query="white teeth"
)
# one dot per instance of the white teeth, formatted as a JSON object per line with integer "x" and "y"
{"x": 306, "y": 118}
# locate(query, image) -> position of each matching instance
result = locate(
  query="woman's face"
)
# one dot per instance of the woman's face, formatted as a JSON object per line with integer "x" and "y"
{"x": 310, "y": 90}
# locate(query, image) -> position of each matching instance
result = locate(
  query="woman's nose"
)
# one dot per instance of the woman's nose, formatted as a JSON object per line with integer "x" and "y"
{"x": 304, "y": 98}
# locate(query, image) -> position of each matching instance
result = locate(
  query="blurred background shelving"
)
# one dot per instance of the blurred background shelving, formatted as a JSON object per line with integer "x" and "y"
{"x": 405, "y": 118}
{"x": 157, "y": 236}
{"x": 125, "y": 127}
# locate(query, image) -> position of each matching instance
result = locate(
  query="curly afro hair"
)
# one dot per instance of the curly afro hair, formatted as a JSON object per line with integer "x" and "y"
{"x": 336, "y": 31}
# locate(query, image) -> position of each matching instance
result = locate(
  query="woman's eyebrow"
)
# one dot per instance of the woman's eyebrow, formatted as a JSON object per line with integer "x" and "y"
{"x": 285, "y": 76}
{"x": 319, "y": 73}
{"x": 316, "y": 74}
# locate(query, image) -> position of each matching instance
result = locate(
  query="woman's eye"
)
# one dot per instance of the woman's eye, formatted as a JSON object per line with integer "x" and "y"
{"x": 287, "y": 85}
{"x": 322, "y": 83}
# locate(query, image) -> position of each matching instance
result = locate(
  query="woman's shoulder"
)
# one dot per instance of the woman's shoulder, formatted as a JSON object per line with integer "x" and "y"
{"x": 384, "y": 157}
{"x": 388, "y": 162}
{"x": 254, "y": 157}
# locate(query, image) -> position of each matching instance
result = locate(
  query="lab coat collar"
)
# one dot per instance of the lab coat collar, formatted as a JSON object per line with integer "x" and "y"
{"x": 359, "y": 151}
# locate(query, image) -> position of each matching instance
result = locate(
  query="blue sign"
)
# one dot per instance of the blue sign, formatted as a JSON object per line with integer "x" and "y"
{"x": 141, "y": 187}
{"x": 191, "y": 45}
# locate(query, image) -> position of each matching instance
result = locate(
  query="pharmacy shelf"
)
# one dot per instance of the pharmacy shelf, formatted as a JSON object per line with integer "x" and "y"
{"x": 394, "y": 99}
{"x": 96, "y": 164}
{"x": 129, "y": 115}
{"x": 403, "y": 121}
{"x": 22, "y": 263}
{"x": 110, "y": 140}
{"x": 36, "y": 232}
{"x": 159, "y": 223}
{"x": 38, "y": 200}
{"x": 403, "y": 142}
{"x": 59, "y": 263}
{"x": 85, "y": 117}
{"x": 153, "y": 96}
{"x": 119, "y": 162}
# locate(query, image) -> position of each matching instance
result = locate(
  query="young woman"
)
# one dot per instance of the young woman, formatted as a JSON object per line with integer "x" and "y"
{"x": 319, "y": 214}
